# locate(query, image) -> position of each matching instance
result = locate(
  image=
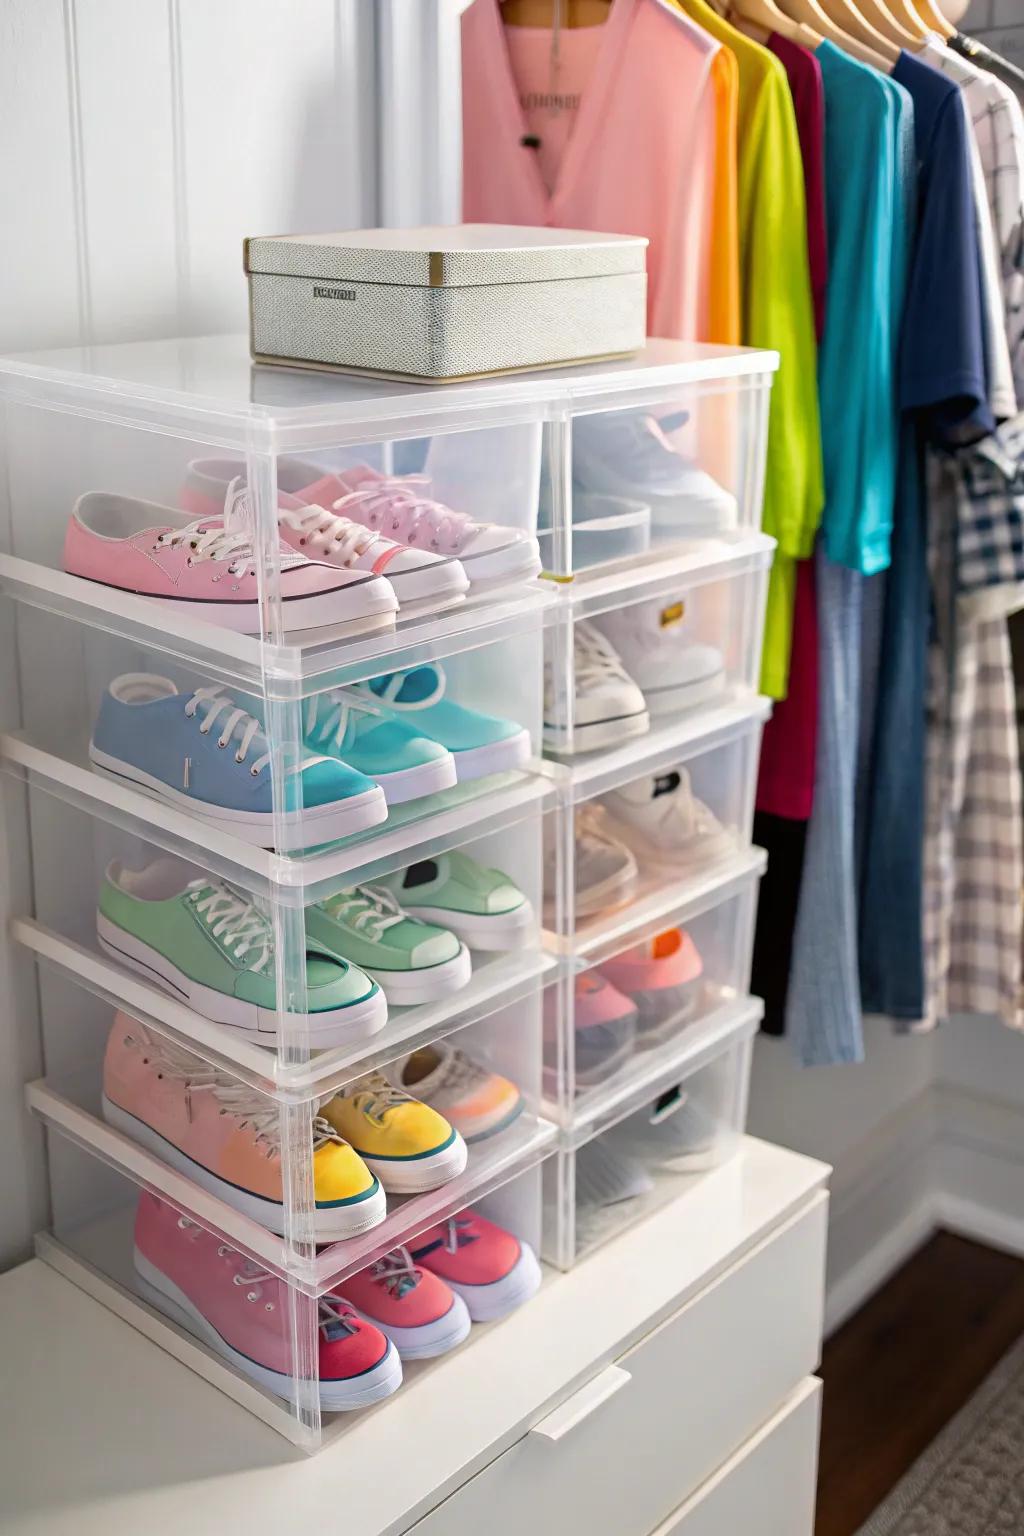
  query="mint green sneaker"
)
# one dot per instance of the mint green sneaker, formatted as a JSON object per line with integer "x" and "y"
{"x": 480, "y": 744}
{"x": 414, "y": 962}
{"x": 213, "y": 949}
{"x": 481, "y": 905}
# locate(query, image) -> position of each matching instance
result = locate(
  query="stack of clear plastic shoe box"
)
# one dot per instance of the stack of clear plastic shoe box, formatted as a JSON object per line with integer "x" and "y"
{"x": 239, "y": 1127}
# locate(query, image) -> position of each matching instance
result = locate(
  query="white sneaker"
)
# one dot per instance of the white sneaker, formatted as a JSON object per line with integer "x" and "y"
{"x": 674, "y": 673}
{"x": 398, "y": 507}
{"x": 606, "y": 872}
{"x": 626, "y": 453}
{"x": 608, "y": 708}
{"x": 662, "y": 818}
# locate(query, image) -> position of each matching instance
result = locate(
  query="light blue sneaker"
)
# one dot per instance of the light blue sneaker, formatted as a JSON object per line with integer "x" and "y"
{"x": 480, "y": 744}
{"x": 204, "y": 753}
{"x": 402, "y": 760}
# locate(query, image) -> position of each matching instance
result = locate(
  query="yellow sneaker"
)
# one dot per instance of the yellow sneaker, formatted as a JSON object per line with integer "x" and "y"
{"x": 349, "y": 1198}
{"x": 409, "y": 1146}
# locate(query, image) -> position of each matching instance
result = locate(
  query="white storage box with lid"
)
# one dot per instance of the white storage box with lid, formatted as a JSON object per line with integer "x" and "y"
{"x": 445, "y": 303}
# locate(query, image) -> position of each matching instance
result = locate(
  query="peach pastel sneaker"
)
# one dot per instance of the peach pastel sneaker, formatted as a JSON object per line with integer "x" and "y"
{"x": 418, "y": 1312}
{"x": 487, "y": 1266}
{"x": 224, "y": 1136}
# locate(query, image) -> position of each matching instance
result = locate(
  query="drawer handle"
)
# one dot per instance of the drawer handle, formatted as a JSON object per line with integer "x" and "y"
{"x": 582, "y": 1404}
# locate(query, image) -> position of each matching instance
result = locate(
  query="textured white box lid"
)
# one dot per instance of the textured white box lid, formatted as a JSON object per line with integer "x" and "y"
{"x": 455, "y": 255}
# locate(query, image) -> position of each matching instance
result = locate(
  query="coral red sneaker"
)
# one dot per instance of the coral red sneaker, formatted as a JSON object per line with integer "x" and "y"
{"x": 663, "y": 976}
{"x": 206, "y": 569}
{"x": 490, "y": 1269}
{"x": 419, "y": 1313}
{"x": 241, "y": 1311}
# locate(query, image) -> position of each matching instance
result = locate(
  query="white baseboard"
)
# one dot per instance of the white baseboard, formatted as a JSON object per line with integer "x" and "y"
{"x": 949, "y": 1159}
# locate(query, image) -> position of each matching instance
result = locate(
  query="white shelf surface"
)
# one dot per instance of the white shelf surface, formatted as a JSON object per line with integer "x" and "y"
{"x": 135, "y": 1440}
{"x": 664, "y": 571}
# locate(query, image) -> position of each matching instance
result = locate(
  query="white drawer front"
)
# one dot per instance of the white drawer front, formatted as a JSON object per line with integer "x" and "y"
{"x": 768, "y": 1486}
{"x": 620, "y": 1454}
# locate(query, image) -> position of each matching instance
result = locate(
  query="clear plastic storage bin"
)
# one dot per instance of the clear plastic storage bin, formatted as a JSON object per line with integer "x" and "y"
{"x": 257, "y": 745}
{"x": 619, "y": 1165}
{"x": 173, "y": 1272}
{"x": 625, "y": 1018}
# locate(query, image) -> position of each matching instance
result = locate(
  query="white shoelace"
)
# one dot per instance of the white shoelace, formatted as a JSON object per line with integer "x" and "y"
{"x": 458, "y": 1233}
{"x": 214, "y": 542}
{"x": 595, "y": 660}
{"x": 328, "y": 716}
{"x": 239, "y": 925}
{"x": 411, "y": 514}
{"x": 397, "y": 1272}
{"x": 367, "y": 908}
{"x": 249, "y": 1108}
{"x": 374, "y": 1095}
{"x": 332, "y": 1311}
{"x": 244, "y": 726}
{"x": 339, "y": 537}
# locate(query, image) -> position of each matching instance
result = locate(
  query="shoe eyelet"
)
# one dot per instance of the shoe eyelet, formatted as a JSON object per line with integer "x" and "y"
{"x": 252, "y": 1295}
{"x": 302, "y": 541}
{"x": 268, "y": 1306}
{"x": 237, "y": 1279}
{"x": 255, "y": 772}
{"x": 184, "y": 1223}
{"x": 222, "y": 1250}
{"x": 239, "y": 758}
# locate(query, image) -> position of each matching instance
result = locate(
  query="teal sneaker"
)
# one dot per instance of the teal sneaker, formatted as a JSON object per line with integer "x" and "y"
{"x": 213, "y": 949}
{"x": 481, "y": 905}
{"x": 403, "y": 760}
{"x": 480, "y": 744}
{"x": 414, "y": 962}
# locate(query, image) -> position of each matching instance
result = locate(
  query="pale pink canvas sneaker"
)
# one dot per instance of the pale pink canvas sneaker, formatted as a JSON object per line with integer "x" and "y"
{"x": 604, "y": 1032}
{"x": 418, "y": 1312}
{"x": 427, "y": 579}
{"x": 488, "y": 1267}
{"x": 664, "y": 978}
{"x": 395, "y": 507}
{"x": 241, "y": 1311}
{"x": 225, "y": 1137}
{"x": 206, "y": 568}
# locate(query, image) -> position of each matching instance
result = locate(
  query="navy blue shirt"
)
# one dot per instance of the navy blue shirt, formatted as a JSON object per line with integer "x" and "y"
{"x": 942, "y": 357}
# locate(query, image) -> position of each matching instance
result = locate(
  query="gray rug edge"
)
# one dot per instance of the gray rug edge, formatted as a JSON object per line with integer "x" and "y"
{"x": 951, "y": 1439}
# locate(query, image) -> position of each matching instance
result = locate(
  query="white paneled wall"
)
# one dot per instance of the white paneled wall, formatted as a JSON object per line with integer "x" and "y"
{"x": 142, "y": 140}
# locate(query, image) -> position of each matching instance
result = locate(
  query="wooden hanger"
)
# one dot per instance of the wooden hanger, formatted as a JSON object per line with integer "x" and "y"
{"x": 930, "y": 13}
{"x": 881, "y": 15}
{"x": 766, "y": 17}
{"x": 812, "y": 14}
{"x": 846, "y": 15}
{"x": 541, "y": 13}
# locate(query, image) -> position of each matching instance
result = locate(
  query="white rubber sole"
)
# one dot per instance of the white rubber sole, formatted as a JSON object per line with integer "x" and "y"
{"x": 430, "y": 1339}
{"x": 670, "y": 701}
{"x": 329, "y": 1225}
{"x": 335, "y": 1396}
{"x": 486, "y": 1303}
{"x": 303, "y": 829}
{"x": 429, "y": 586}
{"x": 413, "y": 783}
{"x": 259, "y": 1024}
{"x": 702, "y": 851}
{"x": 407, "y": 988}
{"x": 364, "y": 598}
{"x": 415, "y": 1175}
{"x": 497, "y": 932}
{"x": 594, "y": 734}
{"x": 495, "y": 757}
{"x": 518, "y": 561}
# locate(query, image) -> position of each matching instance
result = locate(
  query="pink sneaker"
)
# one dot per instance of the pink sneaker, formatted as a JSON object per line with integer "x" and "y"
{"x": 663, "y": 977}
{"x": 225, "y": 1137}
{"x": 490, "y": 1269}
{"x": 604, "y": 1032}
{"x": 421, "y": 1315}
{"x": 306, "y": 496}
{"x": 241, "y": 1311}
{"x": 207, "y": 570}
{"x": 393, "y": 506}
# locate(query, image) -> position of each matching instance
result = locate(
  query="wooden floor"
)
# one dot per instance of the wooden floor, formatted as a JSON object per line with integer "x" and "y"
{"x": 902, "y": 1367}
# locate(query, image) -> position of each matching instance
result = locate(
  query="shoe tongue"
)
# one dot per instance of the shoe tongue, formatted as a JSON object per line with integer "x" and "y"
{"x": 421, "y": 873}
{"x": 417, "y": 685}
{"x": 322, "y": 492}
{"x": 354, "y": 479}
{"x": 665, "y": 784}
